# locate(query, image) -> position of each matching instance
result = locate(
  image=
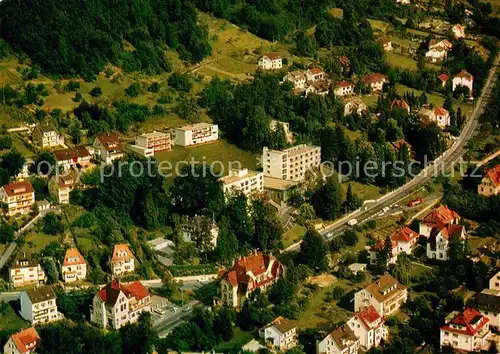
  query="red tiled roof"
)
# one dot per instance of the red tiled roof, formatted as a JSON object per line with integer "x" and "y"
{"x": 71, "y": 153}
{"x": 368, "y": 316}
{"x": 380, "y": 245}
{"x": 494, "y": 175}
{"x": 256, "y": 263}
{"x": 316, "y": 71}
{"x": 374, "y": 78}
{"x": 26, "y": 340}
{"x": 404, "y": 235}
{"x": 447, "y": 43}
{"x": 398, "y": 144}
{"x": 273, "y": 55}
{"x": 17, "y": 188}
{"x": 455, "y": 230}
{"x": 440, "y": 111}
{"x": 400, "y": 103}
{"x": 441, "y": 216}
{"x": 110, "y": 141}
{"x": 464, "y": 75}
{"x": 73, "y": 253}
{"x": 345, "y": 60}
{"x": 118, "y": 250}
{"x": 470, "y": 320}
{"x": 135, "y": 289}
{"x": 109, "y": 294}
{"x": 343, "y": 83}
{"x": 443, "y": 77}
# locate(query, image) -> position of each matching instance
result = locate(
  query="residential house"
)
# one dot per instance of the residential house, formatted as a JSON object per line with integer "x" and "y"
{"x": 122, "y": 260}
{"x": 403, "y": 2}
{"x": 386, "y": 295}
{"x": 74, "y": 267}
{"x": 488, "y": 303}
{"x": 320, "y": 88}
{"x": 279, "y": 190}
{"x": 271, "y": 61}
{"x": 439, "y": 241}
{"x": 60, "y": 186}
{"x": 196, "y": 134}
{"x": 495, "y": 282}
{"x": 345, "y": 65}
{"x": 45, "y": 135}
{"x": 343, "y": 88}
{"x": 439, "y": 115}
{"x": 198, "y": 224}
{"x": 151, "y": 143}
{"x": 443, "y": 79}
{"x": 340, "y": 341}
{"x": 398, "y": 144}
{"x": 386, "y": 44}
{"x": 465, "y": 331}
{"x": 458, "y": 31}
{"x": 315, "y": 75}
{"x": 286, "y": 129}
{"x": 244, "y": 181}
{"x": 354, "y": 105}
{"x": 437, "y": 218}
{"x": 438, "y": 51}
{"x": 357, "y": 267}
{"x": 280, "y": 334}
{"x": 23, "y": 342}
{"x": 77, "y": 156}
{"x": 490, "y": 184}
{"x": 297, "y": 78}
{"x": 117, "y": 304}
{"x": 292, "y": 163}
{"x": 369, "y": 326}
{"x": 402, "y": 240}
{"x": 375, "y": 81}
{"x": 400, "y": 104}
{"x": 249, "y": 273}
{"x": 108, "y": 147}
{"x": 465, "y": 79}
{"x": 26, "y": 271}
{"x": 18, "y": 198}
{"x": 38, "y": 305}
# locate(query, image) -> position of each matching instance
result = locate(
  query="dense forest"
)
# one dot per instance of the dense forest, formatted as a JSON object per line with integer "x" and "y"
{"x": 81, "y": 37}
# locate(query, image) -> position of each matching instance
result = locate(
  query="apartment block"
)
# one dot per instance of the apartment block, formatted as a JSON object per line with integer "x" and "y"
{"x": 117, "y": 304}
{"x": 245, "y": 181}
{"x": 38, "y": 305}
{"x": 26, "y": 271}
{"x": 18, "y": 197}
{"x": 196, "y": 134}
{"x": 292, "y": 163}
{"x": 155, "y": 141}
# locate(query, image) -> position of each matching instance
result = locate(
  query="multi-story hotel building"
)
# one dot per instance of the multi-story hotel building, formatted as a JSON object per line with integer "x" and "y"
{"x": 38, "y": 305}
{"x": 118, "y": 304}
{"x": 26, "y": 271}
{"x": 245, "y": 181}
{"x": 292, "y": 163}
{"x": 18, "y": 197}
{"x": 122, "y": 260}
{"x": 156, "y": 141}
{"x": 74, "y": 266}
{"x": 196, "y": 134}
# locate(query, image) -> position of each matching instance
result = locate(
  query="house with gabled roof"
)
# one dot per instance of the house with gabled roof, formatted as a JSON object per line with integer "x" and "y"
{"x": 271, "y": 61}
{"x": 18, "y": 197}
{"x": 108, "y": 147}
{"x": 280, "y": 334}
{"x": 402, "y": 240}
{"x": 342, "y": 340}
{"x": 465, "y": 79}
{"x": 400, "y": 104}
{"x": 249, "y": 273}
{"x": 490, "y": 184}
{"x": 386, "y": 295}
{"x": 315, "y": 74}
{"x": 38, "y": 305}
{"x": 122, "y": 260}
{"x": 73, "y": 267}
{"x": 343, "y": 88}
{"x": 369, "y": 326}
{"x": 77, "y": 156}
{"x": 23, "y": 342}
{"x": 375, "y": 81}
{"x": 118, "y": 304}
{"x": 465, "y": 331}
{"x": 488, "y": 303}
{"x": 438, "y": 218}
{"x": 46, "y": 135}
{"x": 354, "y": 105}
{"x": 438, "y": 51}
{"x": 458, "y": 31}
{"x": 438, "y": 242}
{"x": 443, "y": 79}
{"x": 26, "y": 270}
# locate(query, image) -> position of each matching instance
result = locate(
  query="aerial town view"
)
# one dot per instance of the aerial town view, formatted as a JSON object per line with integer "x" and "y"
{"x": 249, "y": 176}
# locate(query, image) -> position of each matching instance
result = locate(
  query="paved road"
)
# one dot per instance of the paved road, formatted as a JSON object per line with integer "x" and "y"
{"x": 168, "y": 322}
{"x": 443, "y": 163}
{"x": 8, "y": 252}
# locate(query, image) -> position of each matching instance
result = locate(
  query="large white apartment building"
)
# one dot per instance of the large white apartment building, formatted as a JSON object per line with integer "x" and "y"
{"x": 245, "y": 181}
{"x": 18, "y": 197}
{"x": 38, "y": 305}
{"x": 195, "y": 134}
{"x": 74, "y": 267}
{"x": 154, "y": 141}
{"x": 122, "y": 260}
{"x": 292, "y": 163}
{"x": 26, "y": 271}
{"x": 118, "y": 304}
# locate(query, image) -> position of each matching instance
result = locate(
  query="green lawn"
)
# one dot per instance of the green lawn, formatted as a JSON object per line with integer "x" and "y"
{"x": 221, "y": 155}
{"x": 294, "y": 235}
{"x": 240, "y": 338}
{"x": 370, "y": 100}
{"x": 364, "y": 191}
{"x": 403, "y": 62}
{"x": 10, "y": 321}
{"x": 39, "y": 241}
{"x": 379, "y": 25}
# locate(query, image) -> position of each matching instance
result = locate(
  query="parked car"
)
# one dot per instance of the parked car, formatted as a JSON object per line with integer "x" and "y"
{"x": 414, "y": 202}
